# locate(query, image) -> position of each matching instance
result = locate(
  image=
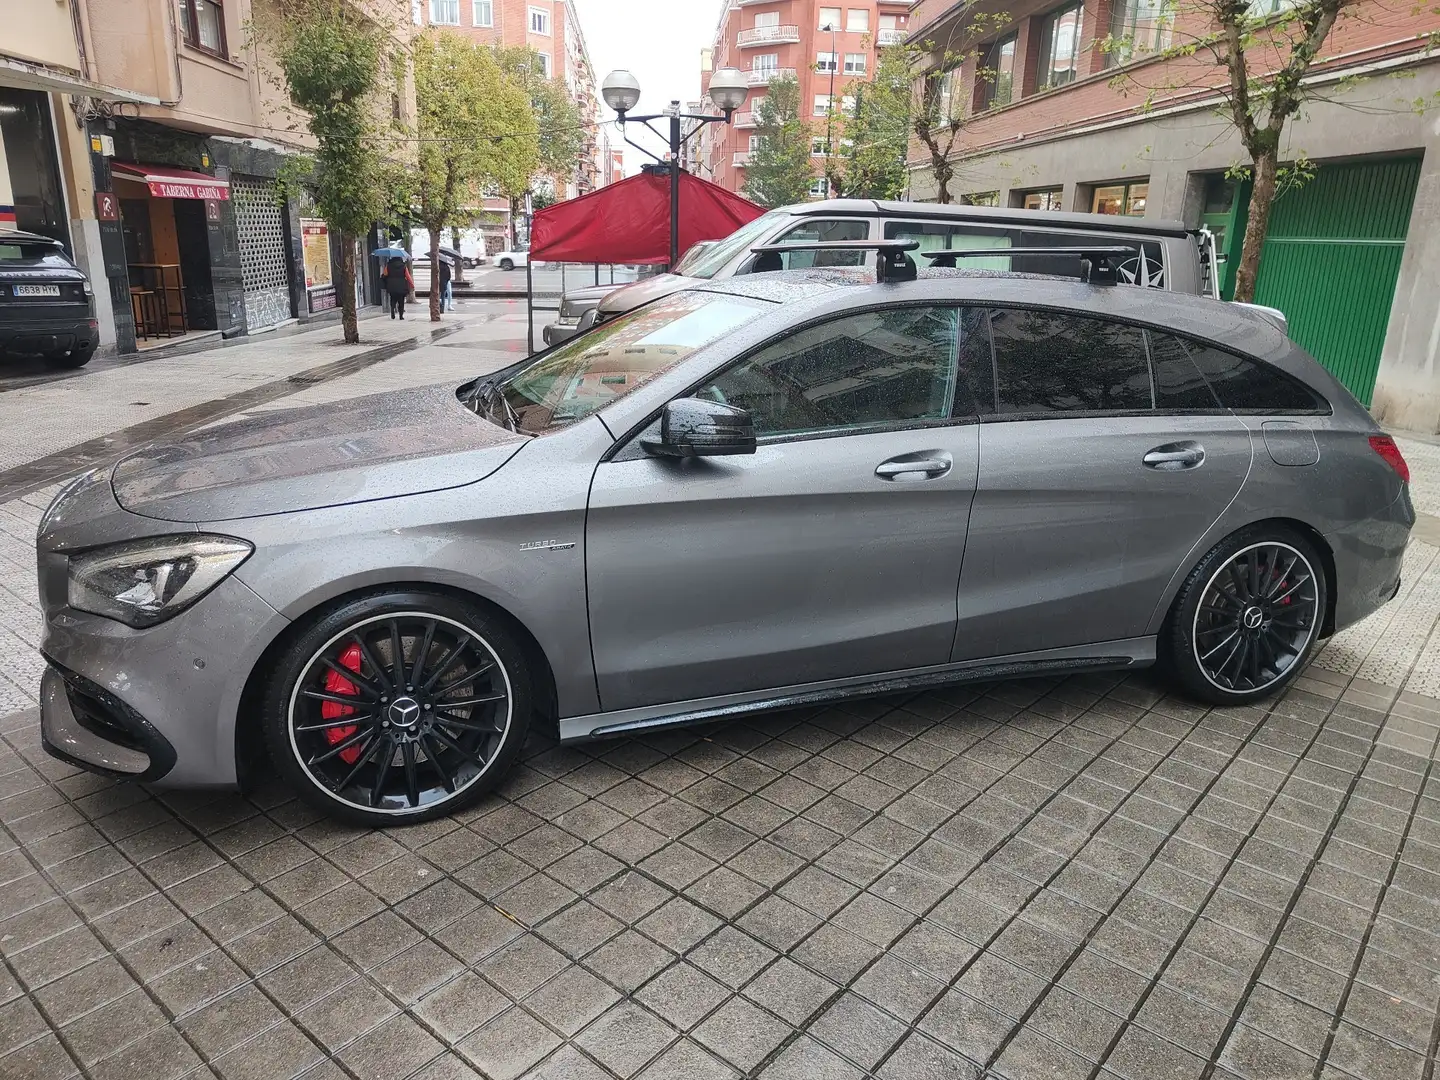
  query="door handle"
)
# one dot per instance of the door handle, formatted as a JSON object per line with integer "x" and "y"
{"x": 1175, "y": 456}
{"x": 897, "y": 468}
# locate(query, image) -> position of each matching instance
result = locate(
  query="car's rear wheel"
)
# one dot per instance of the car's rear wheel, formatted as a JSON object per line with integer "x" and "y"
{"x": 70, "y": 358}
{"x": 1247, "y": 617}
{"x": 507, "y": 264}
{"x": 398, "y": 707}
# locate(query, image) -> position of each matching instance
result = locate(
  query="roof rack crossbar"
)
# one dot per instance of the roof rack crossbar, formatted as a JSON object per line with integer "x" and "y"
{"x": 891, "y": 263}
{"x": 1095, "y": 262}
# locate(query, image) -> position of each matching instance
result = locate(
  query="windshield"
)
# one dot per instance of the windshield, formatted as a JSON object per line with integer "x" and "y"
{"x": 588, "y": 372}
{"x": 712, "y": 261}
{"x": 694, "y": 255}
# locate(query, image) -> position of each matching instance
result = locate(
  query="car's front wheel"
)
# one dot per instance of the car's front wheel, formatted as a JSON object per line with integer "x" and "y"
{"x": 1247, "y": 617}
{"x": 507, "y": 264}
{"x": 398, "y": 707}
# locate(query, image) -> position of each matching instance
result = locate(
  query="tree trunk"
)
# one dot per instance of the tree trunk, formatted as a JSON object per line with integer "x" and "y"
{"x": 1262, "y": 198}
{"x": 434, "y": 275}
{"x": 349, "y": 319}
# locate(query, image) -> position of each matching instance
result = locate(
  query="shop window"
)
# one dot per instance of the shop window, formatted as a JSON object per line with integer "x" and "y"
{"x": 995, "y": 82}
{"x": 983, "y": 198}
{"x": 203, "y": 25}
{"x": 1138, "y": 27}
{"x": 1059, "y": 54}
{"x": 1124, "y": 199}
{"x": 1046, "y": 199}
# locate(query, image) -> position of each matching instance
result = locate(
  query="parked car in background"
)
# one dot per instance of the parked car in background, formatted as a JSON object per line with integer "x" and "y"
{"x": 579, "y": 305}
{"x": 1007, "y": 476}
{"x": 46, "y": 306}
{"x": 511, "y": 258}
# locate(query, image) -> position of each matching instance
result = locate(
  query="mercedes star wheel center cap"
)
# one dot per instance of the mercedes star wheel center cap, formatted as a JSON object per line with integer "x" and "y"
{"x": 404, "y": 712}
{"x": 1253, "y": 618}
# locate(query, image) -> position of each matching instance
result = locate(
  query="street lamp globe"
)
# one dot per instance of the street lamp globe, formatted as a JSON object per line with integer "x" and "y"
{"x": 728, "y": 89}
{"x": 621, "y": 91}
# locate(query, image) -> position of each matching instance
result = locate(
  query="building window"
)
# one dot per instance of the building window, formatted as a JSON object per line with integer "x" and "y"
{"x": 203, "y": 22}
{"x": 825, "y": 61}
{"x": 1263, "y": 9}
{"x": 539, "y": 21}
{"x": 818, "y": 146}
{"x": 754, "y": 143}
{"x": 855, "y": 63}
{"x": 847, "y": 105}
{"x": 444, "y": 12}
{"x": 889, "y": 22}
{"x": 1046, "y": 199}
{"x": 767, "y": 18}
{"x": 857, "y": 20}
{"x": 822, "y": 105}
{"x": 545, "y": 64}
{"x": 1137, "y": 27}
{"x": 995, "y": 82}
{"x": 765, "y": 62}
{"x": 483, "y": 13}
{"x": 1059, "y": 55}
{"x": 829, "y": 18}
{"x": 1126, "y": 199}
{"x": 819, "y": 188}
{"x": 983, "y": 198}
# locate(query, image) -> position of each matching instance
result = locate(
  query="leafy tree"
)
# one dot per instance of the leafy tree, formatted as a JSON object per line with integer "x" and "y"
{"x": 337, "y": 67}
{"x": 779, "y": 171}
{"x": 468, "y": 111}
{"x": 557, "y": 121}
{"x": 878, "y": 134}
{"x": 937, "y": 112}
{"x": 1258, "y": 64}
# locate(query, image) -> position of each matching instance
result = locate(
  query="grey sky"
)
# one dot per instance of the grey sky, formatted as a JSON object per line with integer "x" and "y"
{"x": 660, "y": 42}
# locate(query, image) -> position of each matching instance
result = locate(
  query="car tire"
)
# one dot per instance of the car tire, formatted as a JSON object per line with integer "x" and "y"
{"x": 507, "y": 264}
{"x": 1247, "y": 617}
{"x": 72, "y": 358}
{"x": 404, "y": 760}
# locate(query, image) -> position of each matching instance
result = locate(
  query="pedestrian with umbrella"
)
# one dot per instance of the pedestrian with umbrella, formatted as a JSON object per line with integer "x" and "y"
{"x": 395, "y": 277}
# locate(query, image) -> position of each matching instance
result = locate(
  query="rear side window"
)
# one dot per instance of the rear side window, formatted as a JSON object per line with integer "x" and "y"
{"x": 1047, "y": 362}
{"x": 1252, "y": 386}
{"x": 818, "y": 230}
{"x": 1179, "y": 385}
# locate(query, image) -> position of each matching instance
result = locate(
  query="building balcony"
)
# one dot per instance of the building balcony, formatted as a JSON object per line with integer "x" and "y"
{"x": 767, "y": 35}
{"x": 739, "y": 159}
{"x": 890, "y": 37}
{"x": 763, "y": 76}
{"x": 746, "y": 119}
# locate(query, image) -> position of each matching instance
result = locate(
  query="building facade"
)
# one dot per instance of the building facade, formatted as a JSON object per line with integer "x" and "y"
{"x": 1054, "y": 120}
{"x": 153, "y": 137}
{"x": 825, "y": 46}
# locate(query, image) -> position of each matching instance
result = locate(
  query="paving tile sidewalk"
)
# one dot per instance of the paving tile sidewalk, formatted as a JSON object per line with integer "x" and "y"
{"x": 1080, "y": 878}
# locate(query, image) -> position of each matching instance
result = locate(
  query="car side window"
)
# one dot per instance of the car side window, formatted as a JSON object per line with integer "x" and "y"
{"x": 1049, "y": 363}
{"x": 889, "y": 367}
{"x": 1252, "y": 386}
{"x": 1180, "y": 386}
{"x": 817, "y": 230}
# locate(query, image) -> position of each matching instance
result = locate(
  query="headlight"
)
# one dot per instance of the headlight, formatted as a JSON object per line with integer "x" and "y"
{"x": 144, "y": 583}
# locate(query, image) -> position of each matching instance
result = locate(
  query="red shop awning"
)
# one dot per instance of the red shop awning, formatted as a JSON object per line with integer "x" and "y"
{"x": 629, "y": 222}
{"x": 168, "y": 183}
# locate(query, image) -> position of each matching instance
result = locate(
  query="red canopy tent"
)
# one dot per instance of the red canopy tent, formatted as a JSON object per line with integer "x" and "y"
{"x": 629, "y": 222}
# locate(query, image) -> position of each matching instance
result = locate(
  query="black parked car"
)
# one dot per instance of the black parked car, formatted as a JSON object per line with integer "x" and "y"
{"x": 45, "y": 302}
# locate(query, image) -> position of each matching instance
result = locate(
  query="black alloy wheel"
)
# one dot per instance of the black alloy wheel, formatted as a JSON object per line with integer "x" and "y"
{"x": 400, "y": 711}
{"x": 1248, "y": 617}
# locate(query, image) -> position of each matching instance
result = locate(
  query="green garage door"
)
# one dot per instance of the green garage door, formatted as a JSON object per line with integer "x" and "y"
{"x": 1331, "y": 262}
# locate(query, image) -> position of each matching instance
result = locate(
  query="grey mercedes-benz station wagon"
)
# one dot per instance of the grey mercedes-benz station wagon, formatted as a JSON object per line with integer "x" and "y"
{"x": 773, "y": 490}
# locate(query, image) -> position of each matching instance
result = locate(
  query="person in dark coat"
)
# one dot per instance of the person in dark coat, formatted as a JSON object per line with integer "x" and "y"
{"x": 447, "y": 301}
{"x": 398, "y": 283}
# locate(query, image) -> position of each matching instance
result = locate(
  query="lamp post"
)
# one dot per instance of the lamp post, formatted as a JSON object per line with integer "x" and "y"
{"x": 621, "y": 91}
{"x": 830, "y": 108}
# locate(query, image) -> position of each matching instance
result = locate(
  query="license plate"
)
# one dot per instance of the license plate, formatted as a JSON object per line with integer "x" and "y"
{"x": 37, "y": 290}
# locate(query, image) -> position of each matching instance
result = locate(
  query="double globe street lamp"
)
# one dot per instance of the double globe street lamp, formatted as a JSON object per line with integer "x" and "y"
{"x": 728, "y": 91}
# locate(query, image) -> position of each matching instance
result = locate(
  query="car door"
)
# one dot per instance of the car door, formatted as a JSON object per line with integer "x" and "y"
{"x": 834, "y": 551}
{"x": 1099, "y": 473}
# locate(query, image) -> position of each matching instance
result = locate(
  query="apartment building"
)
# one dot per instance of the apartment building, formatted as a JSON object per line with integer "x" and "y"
{"x": 826, "y": 46}
{"x": 1353, "y": 255}
{"x": 552, "y": 28}
{"x": 148, "y": 135}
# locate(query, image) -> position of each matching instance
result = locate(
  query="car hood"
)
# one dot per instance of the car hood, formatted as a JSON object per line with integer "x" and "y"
{"x": 637, "y": 293}
{"x": 375, "y": 447}
{"x": 590, "y": 294}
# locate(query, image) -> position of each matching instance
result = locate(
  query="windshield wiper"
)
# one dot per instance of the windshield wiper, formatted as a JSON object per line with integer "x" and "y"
{"x": 484, "y": 397}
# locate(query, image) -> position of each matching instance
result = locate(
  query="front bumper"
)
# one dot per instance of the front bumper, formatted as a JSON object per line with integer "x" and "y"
{"x": 557, "y": 332}
{"x": 83, "y": 724}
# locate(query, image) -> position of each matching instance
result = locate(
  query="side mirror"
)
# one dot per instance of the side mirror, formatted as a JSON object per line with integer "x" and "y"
{"x": 693, "y": 427}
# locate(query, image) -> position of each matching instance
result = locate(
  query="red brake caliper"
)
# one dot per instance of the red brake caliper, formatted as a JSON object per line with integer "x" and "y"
{"x": 335, "y": 683}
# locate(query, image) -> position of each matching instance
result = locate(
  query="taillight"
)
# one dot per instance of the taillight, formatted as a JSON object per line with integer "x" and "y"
{"x": 1385, "y": 446}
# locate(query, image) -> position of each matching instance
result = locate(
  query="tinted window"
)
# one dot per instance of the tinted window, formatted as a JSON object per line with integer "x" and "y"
{"x": 1252, "y": 385}
{"x": 894, "y": 366}
{"x": 1047, "y": 362}
{"x": 1179, "y": 385}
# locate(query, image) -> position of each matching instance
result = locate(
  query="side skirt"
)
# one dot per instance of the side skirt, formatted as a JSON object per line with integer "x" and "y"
{"x": 1106, "y": 656}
